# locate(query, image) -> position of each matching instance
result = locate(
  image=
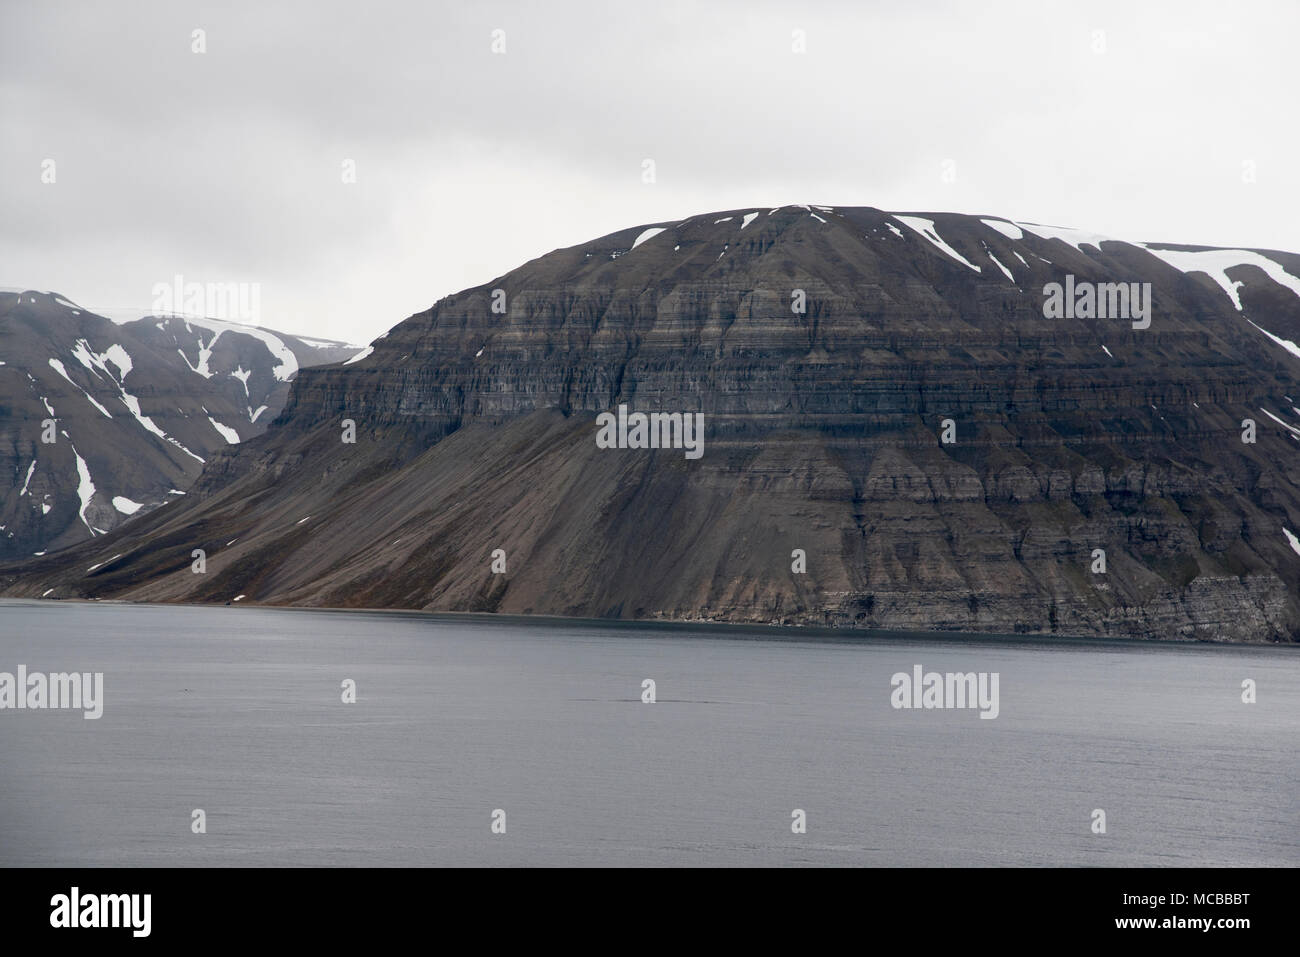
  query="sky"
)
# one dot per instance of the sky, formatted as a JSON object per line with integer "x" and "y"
{"x": 483, "y": 135}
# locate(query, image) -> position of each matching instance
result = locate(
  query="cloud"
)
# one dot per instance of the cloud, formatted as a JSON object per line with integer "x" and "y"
{"x": 226, "y": 165}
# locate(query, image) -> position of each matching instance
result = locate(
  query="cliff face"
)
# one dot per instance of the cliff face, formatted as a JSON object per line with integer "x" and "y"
{"x": 476, "y": 426}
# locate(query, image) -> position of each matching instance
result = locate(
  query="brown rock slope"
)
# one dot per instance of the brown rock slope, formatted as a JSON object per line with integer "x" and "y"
{"x": 476, "y": 431}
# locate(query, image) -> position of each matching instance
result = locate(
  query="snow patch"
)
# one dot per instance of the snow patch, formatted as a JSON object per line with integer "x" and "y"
{"x": 286, "y": 362}
{"x": 85, "y": 488}
{"x": 1107, "y": 351}
{"x": 57, "y": 366}
{"x": 926, "y": 228}
{"x": 1005, "y": 271}
{"x": 30, "y": 469}
{"x": 97, "y": 405}
{"x": 205, "y": 354}
{"x": 1009, "y": 230}
{"x": 750, "y": 217}
{"x": 118, "y": 356}
{"x": 360, "y": 355}
{"x": 1291, "y": 428}
{"x": 1078, "y": 238}
{"x": 252, "y": 416}
{"x": 650, "y": 233}
{"x": 81, "y": 352}
{"x": 1286, "y": 344}
{"x": 125, "y": 505}
{"x": 133, "y": 406}
{"x": 230, "y": 435}
{"x": 1215, "y": 263}
{"x": 1291, "y": 538}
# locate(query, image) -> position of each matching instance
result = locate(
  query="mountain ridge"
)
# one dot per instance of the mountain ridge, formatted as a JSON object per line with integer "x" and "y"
{"x": 475, "y": 432}
{"x": 140, "y": 404}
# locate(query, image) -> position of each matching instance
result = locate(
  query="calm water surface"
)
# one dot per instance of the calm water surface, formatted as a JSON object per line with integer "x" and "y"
{"x": 237, "y": 711}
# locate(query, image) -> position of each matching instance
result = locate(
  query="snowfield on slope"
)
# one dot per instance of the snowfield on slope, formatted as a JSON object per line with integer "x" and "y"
{"x": 926, "y": 228}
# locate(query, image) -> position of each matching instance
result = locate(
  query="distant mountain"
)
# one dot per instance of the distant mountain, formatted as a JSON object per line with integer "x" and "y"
{"x": 136, "y": 409}
{"x": 831, "y": 352}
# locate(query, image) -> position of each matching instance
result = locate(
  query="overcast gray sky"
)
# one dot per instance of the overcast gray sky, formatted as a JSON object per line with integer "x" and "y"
{"x": 227, "y": 165}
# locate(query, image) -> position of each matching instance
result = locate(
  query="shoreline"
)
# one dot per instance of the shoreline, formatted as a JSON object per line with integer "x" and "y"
{"x": 715, "y": 629}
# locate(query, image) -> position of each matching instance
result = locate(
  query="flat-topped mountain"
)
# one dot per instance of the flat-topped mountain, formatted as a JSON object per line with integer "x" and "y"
{"x": 928, "y": 420}
{"x": 100, "y": 421}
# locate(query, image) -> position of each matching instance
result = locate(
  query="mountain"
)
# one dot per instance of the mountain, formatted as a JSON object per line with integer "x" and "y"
{"x": 135, "y": 410}
{"x": 824, "y": 431}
